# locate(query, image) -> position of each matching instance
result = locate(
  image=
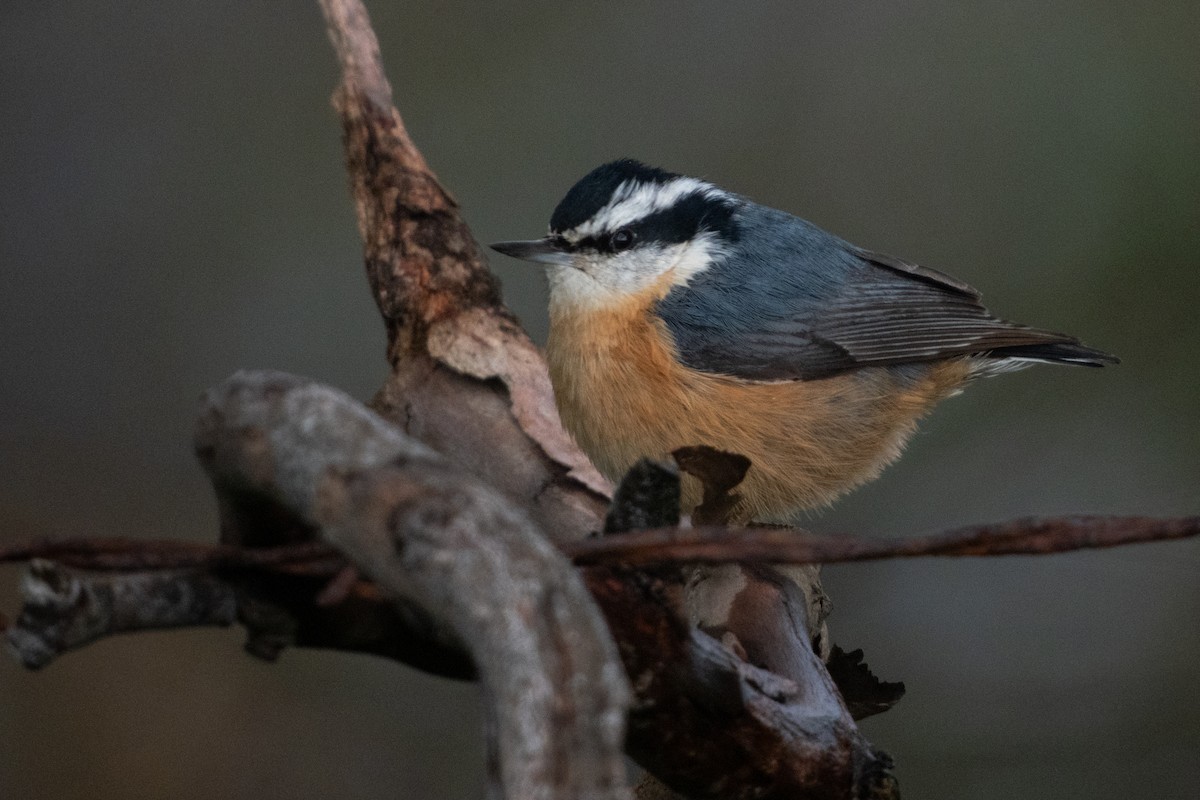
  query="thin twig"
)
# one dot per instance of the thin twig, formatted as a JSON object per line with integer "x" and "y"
{"x": 124, "y": 554}
{"x": 1028, "y": 536}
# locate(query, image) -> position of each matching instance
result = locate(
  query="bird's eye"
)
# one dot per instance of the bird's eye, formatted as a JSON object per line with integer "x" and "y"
{"x": 622, "y": 239}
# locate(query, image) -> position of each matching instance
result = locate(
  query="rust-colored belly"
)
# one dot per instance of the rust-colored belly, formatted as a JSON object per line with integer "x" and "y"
{"x": 624, "y": 396}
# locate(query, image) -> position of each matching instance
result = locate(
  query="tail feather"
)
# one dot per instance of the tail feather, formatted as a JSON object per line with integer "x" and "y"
{"x": 1068, "y": 352}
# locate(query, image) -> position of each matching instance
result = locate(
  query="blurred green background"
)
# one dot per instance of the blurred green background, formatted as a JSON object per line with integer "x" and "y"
{"x": 173, "y": 207}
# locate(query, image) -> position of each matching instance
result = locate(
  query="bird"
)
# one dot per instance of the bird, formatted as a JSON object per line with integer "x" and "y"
{"x": 683, "y": 314}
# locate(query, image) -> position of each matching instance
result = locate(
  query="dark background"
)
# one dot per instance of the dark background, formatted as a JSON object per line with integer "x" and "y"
{"x": 173, "y": 207}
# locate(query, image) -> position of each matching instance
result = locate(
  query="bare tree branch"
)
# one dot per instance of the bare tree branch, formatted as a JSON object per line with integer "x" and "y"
{"x": 448, "y": 516}
{"x": 429, "y": 534}
{"x": 709, "y": 724}
{"x": 278, "y": 603}
{"x": 1030, "y": 536}
{"x": 63, "y": 611}
{"x": 297, "y": 456}
{"x": 463, "y": 371}
{"x": 127, "y": 554}
{"x": 671, "y": 545}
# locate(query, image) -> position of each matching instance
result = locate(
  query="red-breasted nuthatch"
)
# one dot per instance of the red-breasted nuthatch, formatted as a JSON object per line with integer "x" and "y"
{"x": 682, "y": 314}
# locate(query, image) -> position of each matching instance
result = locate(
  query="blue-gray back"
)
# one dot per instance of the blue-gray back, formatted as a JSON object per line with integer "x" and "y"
{"x": 792, "y": 301}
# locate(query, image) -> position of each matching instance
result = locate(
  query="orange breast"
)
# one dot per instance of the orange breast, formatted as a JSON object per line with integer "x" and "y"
{"x": 623, "y": 395}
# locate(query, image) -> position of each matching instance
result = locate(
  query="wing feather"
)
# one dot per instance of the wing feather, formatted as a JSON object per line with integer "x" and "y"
{"x": 813, "y": 306}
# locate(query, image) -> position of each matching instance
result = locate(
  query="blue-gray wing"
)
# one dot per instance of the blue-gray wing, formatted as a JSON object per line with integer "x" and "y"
{"x": 809, "y": 305}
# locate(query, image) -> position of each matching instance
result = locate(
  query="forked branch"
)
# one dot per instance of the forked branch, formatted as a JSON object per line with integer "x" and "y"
{"x": 438, "y": 528}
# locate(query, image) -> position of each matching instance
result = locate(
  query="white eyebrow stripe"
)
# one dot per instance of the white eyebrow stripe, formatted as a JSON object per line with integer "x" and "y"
{"x": 634, "y": 200}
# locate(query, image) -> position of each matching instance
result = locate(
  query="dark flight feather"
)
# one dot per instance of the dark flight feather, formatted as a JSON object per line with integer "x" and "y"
{"x": 809, "y": 305}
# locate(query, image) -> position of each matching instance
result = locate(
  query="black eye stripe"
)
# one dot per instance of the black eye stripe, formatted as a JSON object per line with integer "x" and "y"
{"x": 603, "y": 242}
{"x": 681, "y": 222}
{"x": 599, "y": 243}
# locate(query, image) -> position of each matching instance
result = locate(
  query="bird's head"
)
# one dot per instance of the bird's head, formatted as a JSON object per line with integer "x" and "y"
{"x": 626, "y": 230}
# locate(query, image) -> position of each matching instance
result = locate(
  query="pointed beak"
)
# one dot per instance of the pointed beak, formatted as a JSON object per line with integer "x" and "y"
{"x": 551, "y": 250}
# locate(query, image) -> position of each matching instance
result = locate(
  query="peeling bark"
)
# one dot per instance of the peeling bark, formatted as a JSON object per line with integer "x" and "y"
{"x": 432, "y": 537}
{"x": 439, "y": 529}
